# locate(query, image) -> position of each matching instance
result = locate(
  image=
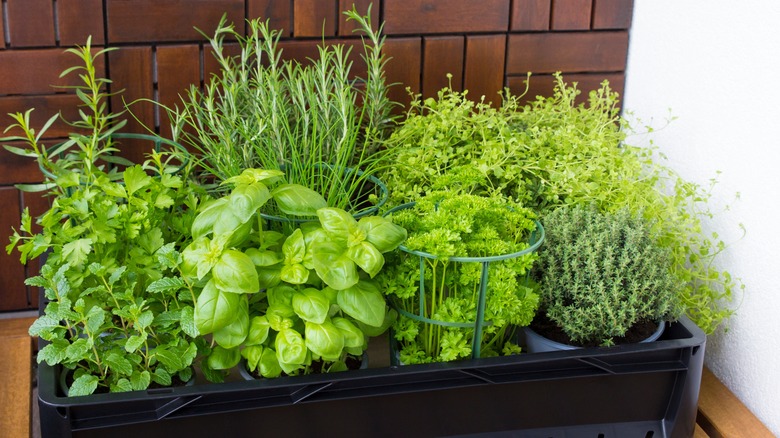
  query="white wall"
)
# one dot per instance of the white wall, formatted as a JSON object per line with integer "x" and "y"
{"x": 716, "y": 65}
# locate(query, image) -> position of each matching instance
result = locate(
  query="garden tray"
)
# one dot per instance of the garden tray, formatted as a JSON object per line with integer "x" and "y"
{"x": 646, "y": 390}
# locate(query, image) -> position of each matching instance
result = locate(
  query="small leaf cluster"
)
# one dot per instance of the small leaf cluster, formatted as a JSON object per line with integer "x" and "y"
{"x": 601, "y": 273}
{"x": 554, "y": 152}
{"x": 283, "y": 300}
{"x": 445, "y": 225}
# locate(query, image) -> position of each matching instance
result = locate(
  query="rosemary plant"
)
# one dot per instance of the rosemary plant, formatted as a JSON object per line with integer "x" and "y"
{"x": 313, "y": 121}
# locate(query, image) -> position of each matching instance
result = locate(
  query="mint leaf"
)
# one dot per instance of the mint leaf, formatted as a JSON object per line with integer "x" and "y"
{"x": 86, "y": 384}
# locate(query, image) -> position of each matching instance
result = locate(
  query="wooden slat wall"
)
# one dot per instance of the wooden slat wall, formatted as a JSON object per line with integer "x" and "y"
{"x": 486, "y": 45}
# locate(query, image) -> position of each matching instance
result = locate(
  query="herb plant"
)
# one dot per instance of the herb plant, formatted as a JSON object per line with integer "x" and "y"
{"x": 312, "y": 121}
{"x": 446, "y": 225}
{"x": 600, "y": 274}
{"x": 108, "y": 237}
{"x": 284, "y": 301}
{"x": 554, "y": 152}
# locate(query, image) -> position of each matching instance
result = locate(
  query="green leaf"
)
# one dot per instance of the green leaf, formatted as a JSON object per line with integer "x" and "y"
{"x": 44, "y": 323}
{"x": 223, "y": 359}
{"x": 367, "y": 257}
{"x": 252, "y": 354}
{"x": 204, "y": 221}
{"x": 54, "y": 353}
{"x": 294, "y": 274}
{"x": 235, "y": 272}
{"x": 188, "y": 325}
{"x": 311, "y": 305}
{"x": 233, "y": 334}
{"x": 297, "y": 200}
{"x": 263, "y": 257}
{"x": 85, "y": 384}
{"x": 363, "y": 302}
{"x": 145, "y": 319}
{"x": 214, "y": 308}
{"x": 140, "y": 380}
{"x": 77, "y": 350}
{"x": 325, "y": 340}
{"x": 161, "y": 377}
{"x": 280, "y": 297}
{"x": 353, "y": 336}
{"x": 290, "y": 347}
{"x": 95, "y": 319}
{"x": 170, "y": 359}
{"x": 337, "y": 222}
{"x": 119, "y": 364}
{"x": 133, "y": 343}
{"x": 382, "y": 233}
{"x": 333, "y": 266}
{"x": 251, "y": 176}
{"x": 166, "y": 284}
{"x": 122, "y": 385}
{"x": 371, "y": 331}
{"x": 20, "y": 151}
{"x": 76, "y": 252}
{"x": 136, "y": 179}
{"x": 245, "y": 200}
{"x": 259, "y": 328}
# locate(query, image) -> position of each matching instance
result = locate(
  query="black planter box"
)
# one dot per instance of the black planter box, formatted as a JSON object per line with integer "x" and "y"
{"x": 641, "y": 390}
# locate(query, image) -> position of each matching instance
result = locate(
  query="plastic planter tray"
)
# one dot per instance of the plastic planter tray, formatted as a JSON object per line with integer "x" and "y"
{"x": 641, "y": 390}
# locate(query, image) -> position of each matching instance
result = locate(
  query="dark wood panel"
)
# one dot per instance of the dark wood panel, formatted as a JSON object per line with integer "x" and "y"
{"x": 131, "y": 71}
{"x": 178, "y": 67}
{"x": 571, "y": 14}
{"x": 612, "y": 14}
{"x": 277, "y": 12}
{"x": 346, "y": 27}
{"x": 484, "y": 73}
{"x": 15, "y": 169}
{"x": 38, "y": 203}
{"x": 304, "y": 51}
{"x": 445, "y": 16}
{"x": 2, "y": 30}
{"x": 79, "y": 19}
{"x": 168, "y": 20}
{"x": 13, "y": 295}
{"x": 542, "y": 85}
{"x": 403, "y": 68}
{"x": 38, "y": 71}
{"x": 314, "y": 18}
{"x": 531, "y": 15}
{"x": 569, "y": 52}
{"x": 30, "y": 23}
{"x": 442, "y": 55}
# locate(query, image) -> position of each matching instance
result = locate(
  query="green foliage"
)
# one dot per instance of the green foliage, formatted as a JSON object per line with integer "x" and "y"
{"x": 111, "y": 238}
{"x": 554, "y": 152}
{"x": 448, "y": 225}
{"x": 311, "y": 120}
{"x": 601, "y": 273}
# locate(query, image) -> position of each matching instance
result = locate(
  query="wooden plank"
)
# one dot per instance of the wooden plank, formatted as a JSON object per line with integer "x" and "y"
{"x": 37, "y": 71}
{"x": 314, "y": 18}
{"x": 543, "y": 85}
{"x": 16, "y": 378}
{"x": 45, "y": 106}
{"x": 698, "y": 432}
{"x": 2, "y": 29}
{"x": 612, "y": 14}
{"x": 531, "y": 15}
{"x": 571, "y": 14}
{"x": 15, "y": 169}
{"x": 78, "y": 19}
{"x": 31, "y": 23}
{"x": 484, "y": 72}
{"x": 346, "y": 27}
{"x": 131, "y": 71}
{"x": 567, "y": 51}
{"x": 722, "y": 414}
{"x": 16, "y": 327}
{"x": 168, "y": 20}
{"x": 13, "y": 295}
{"x": 442, "y": 56}
{"x": 445, "y": 16}
{"x": 403, "y": 68}
{"x": 178, "y": 67}
{"x": 277, "y": 12}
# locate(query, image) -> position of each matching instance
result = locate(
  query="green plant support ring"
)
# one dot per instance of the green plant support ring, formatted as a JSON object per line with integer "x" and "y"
{"x": 537, "y": 237}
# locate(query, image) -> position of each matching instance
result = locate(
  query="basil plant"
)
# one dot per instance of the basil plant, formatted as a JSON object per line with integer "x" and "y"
{"x": 291, "y": 302}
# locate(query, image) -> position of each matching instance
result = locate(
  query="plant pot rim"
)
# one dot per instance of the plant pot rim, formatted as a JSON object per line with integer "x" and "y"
{"x": 556, "y": 346}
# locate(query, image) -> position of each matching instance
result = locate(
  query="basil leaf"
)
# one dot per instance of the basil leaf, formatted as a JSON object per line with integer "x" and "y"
{"x": 245, "y": 200}
{"x": 259, "y": 328}
{"x": 233, "y": 334}
{"x": 311, "y": 305}
{"x": 353, "y": 336}
{"x": 235, "y": 272}
{"x": 382, "y": 233}
{"x": 367, "y": 257}
{"x": 290, "y": 347}
{"x": 325, "y": 340}
{"x": 223, "y": 358}
{"x": 214, "y": 308}
{"x": 337, "y": 222}
{"x": 297, "y": 200}
{"x": 204, "y": 221}
{"x": 333, "y": 266}
{"x": 363, "y": 302}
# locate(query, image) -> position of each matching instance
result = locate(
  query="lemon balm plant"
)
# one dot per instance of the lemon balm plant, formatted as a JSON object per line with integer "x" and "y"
{"x": 108, "y": 239}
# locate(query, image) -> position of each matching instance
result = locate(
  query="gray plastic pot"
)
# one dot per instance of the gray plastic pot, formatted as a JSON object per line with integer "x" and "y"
{"x": 536, "y": 343}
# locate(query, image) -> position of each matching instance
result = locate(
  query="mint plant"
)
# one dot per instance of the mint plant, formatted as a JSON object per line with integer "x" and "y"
{"x": 446, "y": 225}
{"x": 554, "y": 152}
{"x": 108, "y": 240}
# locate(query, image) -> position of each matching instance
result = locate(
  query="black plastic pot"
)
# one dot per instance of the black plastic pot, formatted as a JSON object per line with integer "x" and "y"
{"x": 641, "y": 390}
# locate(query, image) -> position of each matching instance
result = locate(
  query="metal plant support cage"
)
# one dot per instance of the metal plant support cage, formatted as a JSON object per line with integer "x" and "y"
{"x": 535, "y": 241}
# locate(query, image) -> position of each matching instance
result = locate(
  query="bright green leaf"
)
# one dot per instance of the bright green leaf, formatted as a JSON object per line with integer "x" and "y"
{"x": 235, "y": 272}
{"x": 363, "y": 302}
{"x": 297, "y": 200}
